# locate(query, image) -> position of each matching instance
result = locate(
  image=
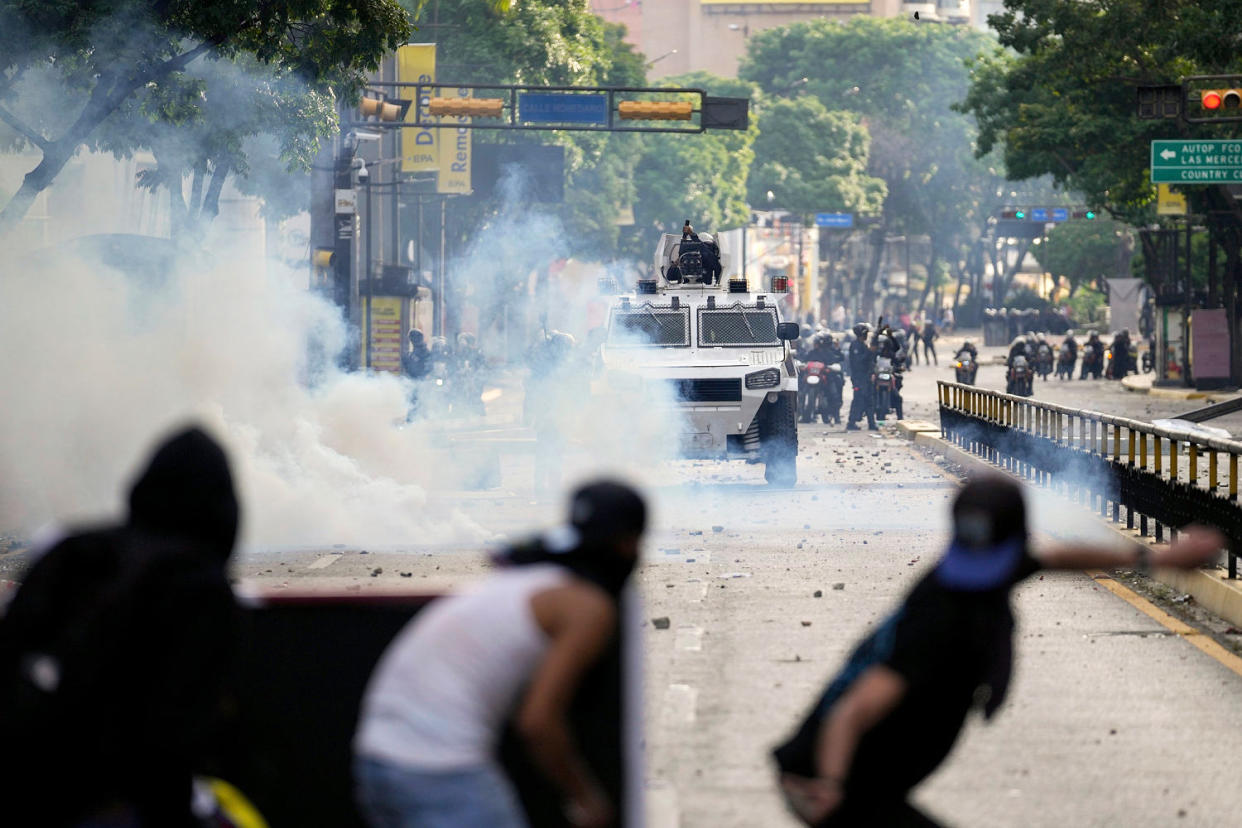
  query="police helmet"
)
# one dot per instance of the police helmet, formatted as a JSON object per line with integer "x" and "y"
{"x": 465, "y": 340}
{"x": 416, "y": 337}
{"x": 861, "y": 330}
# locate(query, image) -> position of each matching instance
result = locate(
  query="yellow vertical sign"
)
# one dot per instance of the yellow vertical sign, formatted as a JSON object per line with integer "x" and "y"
{"x": 455, "y": 150}
{"x": 416, "y": 63}
{"x": 385, "y": 336}
{"x": 1169, "y": 203}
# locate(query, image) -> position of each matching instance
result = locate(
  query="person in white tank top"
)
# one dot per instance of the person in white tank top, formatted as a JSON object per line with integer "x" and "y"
{"x": 516, "y": 644}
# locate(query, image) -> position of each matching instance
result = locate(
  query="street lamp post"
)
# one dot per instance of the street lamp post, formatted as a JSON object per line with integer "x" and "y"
{"x": 364, "y": 179}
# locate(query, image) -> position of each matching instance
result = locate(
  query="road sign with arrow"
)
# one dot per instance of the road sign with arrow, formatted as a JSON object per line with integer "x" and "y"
{"x": 1196, "y": 162}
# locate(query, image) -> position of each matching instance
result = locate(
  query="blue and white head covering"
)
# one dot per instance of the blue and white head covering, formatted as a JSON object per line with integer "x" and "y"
{"x": 989, "y": 536}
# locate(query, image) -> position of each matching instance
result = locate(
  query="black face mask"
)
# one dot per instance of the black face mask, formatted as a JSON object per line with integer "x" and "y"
{"x": 592, "y": 560}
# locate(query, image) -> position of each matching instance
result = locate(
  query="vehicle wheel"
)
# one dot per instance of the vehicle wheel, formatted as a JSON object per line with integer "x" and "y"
{"x": 881, "y": 404}
{"x": 779, "y": 435}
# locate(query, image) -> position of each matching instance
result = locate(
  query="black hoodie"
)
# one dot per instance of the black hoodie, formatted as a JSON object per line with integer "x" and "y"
{"x": 115, "y": 650}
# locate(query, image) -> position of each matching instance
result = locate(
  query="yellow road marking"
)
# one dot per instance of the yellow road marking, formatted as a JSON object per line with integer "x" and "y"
{"x": 1197, "y": 638}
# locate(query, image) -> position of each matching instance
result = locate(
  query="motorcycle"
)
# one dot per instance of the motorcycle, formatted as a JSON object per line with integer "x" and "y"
{"x": 1043, "y": 360}
{"x": 824, "y": 386}
{"x": 1021, "y": 378}
{"x": 1065, "y": 365}
{"x": 1091, "y": 364}
{"x": 1110, "y": 373}
{"x": 886, "y": 397}
{"x": 966, "y": 369}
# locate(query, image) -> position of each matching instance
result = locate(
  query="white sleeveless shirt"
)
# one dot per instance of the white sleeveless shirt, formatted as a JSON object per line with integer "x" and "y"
{"x": 444, "y": 687}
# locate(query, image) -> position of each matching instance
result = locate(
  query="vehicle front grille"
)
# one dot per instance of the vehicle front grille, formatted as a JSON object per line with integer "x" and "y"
{"x": 708, "y": 390}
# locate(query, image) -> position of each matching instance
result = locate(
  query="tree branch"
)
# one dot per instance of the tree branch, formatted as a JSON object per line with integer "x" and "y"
{"x": 23, "y": 130}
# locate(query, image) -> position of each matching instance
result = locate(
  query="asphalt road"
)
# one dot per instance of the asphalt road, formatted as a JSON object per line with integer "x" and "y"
{"x": 1111, "y": 720}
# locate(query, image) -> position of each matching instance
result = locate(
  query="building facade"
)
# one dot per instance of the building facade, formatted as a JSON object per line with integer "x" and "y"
{"x": 680, "y": 36}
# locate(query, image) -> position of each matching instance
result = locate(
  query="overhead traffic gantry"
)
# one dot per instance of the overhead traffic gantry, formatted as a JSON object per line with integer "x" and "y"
{"x": 578, "y": 108}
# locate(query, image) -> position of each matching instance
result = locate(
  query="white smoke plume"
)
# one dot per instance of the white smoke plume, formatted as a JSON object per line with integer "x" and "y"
{"x": 98, "y": 364}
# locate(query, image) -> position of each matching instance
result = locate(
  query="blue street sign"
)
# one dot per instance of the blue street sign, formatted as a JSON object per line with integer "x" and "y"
{"x": 1060, "y": 214}
{"x": 553, "y": 108}
{"x": 834, "y": 219}
{"x": 1039, "y": 214}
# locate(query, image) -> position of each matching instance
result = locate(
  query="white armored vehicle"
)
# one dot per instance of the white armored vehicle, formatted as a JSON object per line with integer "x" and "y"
{"x": 717, "y": 354}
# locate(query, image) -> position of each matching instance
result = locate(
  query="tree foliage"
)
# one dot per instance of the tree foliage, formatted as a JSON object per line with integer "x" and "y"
{"x": 1061, "y": 102}
{"x": 1081, "y": 251}
{"x": 813, "y": 160}
{"x": 700, "y": 177}
{"x": 66, "y": 68}
{"x": 545, "y": 42}
{"x": 901, "y": 79}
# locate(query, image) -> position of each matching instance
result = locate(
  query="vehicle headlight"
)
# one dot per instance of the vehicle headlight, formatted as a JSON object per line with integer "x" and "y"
{"x": 768, "y": 378}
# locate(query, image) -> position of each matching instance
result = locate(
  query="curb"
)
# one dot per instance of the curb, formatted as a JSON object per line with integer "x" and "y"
{"x": 1208, "y": 587}
{"x": 910, "y": 429}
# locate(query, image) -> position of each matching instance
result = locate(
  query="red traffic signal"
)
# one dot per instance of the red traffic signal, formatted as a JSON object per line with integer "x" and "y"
{"x": 1214, "y": 99}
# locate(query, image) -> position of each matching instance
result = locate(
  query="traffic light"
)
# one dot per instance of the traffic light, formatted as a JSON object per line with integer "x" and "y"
{"x": 1160, "y": 101}
{"x": 1215, "y": 99}
{"x": 1212, "y": 99}
{"x": 392, "y": 109}
{"x": 1083, "y": 214}
{"x": 467, "y": 107}
{"x": 1013, "y": 213}
{"x": 655, "y": 110}
{"x": 322, "y": 260}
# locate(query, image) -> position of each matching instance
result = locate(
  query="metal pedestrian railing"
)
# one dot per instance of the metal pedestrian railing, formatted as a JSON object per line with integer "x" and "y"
{"x": 1154, "y": 477}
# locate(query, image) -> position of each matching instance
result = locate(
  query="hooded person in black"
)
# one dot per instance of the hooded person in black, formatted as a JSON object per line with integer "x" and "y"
{"x": 115, "y": 652}
{"x": 894, "y": 711}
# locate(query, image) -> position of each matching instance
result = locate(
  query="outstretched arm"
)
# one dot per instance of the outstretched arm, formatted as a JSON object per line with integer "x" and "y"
{"x": 1195, "y": 546}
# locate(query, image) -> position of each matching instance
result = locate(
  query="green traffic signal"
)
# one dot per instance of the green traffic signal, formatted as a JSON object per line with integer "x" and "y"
{"x": 1091, "y": 214}
{"x": 1019, "y": 214}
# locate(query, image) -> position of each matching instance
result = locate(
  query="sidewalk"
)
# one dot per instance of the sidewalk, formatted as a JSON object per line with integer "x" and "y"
{"x": 1143, "y": 384}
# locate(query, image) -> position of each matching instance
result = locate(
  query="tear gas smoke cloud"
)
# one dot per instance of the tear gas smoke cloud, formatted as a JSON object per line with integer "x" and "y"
{"x": 99, "y": 363}
{"x": 606, "y": 429}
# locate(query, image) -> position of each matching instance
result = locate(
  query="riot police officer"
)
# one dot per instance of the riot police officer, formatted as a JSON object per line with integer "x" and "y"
{"x": 1092, "y": 356}
{"x": 862, "y": 367}
{"x": 417, "y": 361}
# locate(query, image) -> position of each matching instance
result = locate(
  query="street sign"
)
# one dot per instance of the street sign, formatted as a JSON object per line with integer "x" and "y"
{"x": 1060, "y": 214}
{"x": 834, "y": 219}
{"x": 559, "y": 108}
{"x": 1196, "y": 162}
{"x": 1039, "y": 214}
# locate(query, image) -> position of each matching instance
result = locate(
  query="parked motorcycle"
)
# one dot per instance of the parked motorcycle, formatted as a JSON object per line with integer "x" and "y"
{"x": 966, "y": 368}
{"x": 1021, "y": 377}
